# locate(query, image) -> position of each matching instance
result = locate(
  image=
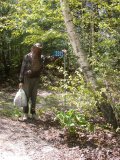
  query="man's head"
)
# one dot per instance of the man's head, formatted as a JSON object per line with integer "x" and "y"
{"x": 37, "y": 47}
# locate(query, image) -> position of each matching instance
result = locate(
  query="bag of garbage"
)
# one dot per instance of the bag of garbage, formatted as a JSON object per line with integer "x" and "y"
{"x": 20, "y": 99}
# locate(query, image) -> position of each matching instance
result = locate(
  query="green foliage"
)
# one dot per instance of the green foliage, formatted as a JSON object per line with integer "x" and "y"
{"x": 37, "y": 21}
{"x": 13, "y": 112}
{"x": 26, "y": 22}
{"x": 97, "y": 23}
{"x": 73, "y": 120}
{"x": 78, "y": 95}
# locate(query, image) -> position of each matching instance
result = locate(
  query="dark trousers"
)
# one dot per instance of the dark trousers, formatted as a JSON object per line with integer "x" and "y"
{"x": 30, "y": 87}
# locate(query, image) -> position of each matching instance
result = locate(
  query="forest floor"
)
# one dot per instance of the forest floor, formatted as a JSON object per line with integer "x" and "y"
{"x": 46, "y": 140}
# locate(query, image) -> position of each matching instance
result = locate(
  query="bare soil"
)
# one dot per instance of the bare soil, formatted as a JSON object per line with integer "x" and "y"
{"x": 44, "y": 140}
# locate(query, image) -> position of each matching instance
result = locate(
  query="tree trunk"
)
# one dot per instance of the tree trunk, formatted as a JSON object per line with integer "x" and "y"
{"x": 105, "y": 108}
{"x": 75, "y": 42}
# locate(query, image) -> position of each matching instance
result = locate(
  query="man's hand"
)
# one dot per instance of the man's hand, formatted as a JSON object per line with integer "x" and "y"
{"x": 29, "y": 72}
{"x": 20, "y": 85}
{"x": 64, "y": 50}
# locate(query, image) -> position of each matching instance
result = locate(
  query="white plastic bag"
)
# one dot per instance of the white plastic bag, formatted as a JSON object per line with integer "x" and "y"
{"x": 20, "y": 99}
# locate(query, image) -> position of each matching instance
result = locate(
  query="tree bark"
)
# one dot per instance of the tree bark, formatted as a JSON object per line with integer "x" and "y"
{"x": 75, "y": 42}
{"x": 105, "y": 108}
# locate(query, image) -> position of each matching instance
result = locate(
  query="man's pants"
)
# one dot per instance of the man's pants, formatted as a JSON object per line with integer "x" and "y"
{"x": 30, "y": 87}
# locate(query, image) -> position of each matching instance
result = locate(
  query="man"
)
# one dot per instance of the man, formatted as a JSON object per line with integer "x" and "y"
{"x": 29, "y": 78}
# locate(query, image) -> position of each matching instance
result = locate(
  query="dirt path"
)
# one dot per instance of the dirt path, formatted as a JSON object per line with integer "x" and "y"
{"x": 19, "y": 142}
{"x": 22, "y": 141}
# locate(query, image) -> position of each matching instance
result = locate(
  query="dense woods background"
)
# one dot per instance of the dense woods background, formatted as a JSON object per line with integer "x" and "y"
{"x": 96, "y": 24}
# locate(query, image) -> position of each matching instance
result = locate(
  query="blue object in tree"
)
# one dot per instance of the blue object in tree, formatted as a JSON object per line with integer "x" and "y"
{"x": 58, "y": 54}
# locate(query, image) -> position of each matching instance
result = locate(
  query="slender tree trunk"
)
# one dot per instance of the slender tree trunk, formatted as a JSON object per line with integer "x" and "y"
{"x": 75, "y": 42}
{"x": 106, "y": 108}
{"x": 92, "y": 32}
